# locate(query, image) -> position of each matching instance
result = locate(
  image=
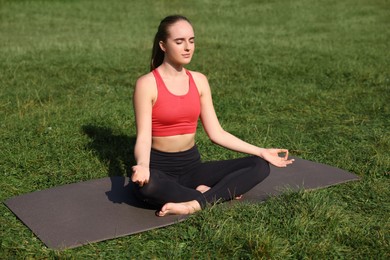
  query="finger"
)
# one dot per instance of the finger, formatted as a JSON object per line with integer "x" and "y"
{"x": 286, "y": 155}
{"x": 288, "y": 162}
{"x": 285, "y": 151}
{"x": 135, "y": 178}
{"x": 283, "y": 162}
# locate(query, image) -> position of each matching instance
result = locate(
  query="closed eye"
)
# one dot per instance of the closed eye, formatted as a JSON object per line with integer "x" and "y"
{"x": 181, "y": 40}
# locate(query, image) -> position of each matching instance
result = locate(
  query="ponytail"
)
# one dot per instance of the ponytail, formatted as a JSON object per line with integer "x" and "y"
{"x": 157, "y": 54}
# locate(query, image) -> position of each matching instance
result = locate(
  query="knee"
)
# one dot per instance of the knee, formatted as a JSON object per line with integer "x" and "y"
{"x": 145, "y": 191}
{"x": 261, "y": 168}
{"x": 148, "y": 194}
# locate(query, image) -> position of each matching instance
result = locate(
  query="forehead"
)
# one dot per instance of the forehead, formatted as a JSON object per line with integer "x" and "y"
{"x": 181, "y": 29}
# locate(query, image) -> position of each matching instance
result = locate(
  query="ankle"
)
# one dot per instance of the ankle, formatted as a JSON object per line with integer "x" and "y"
{"x": 193, "y": 206}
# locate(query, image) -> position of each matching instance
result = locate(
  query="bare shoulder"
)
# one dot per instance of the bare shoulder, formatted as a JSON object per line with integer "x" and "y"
{"x": 201, "y": 81}
{"x": 146, "y": 87}
{"x": 198, "y": 76}
{"x": 146, "y": 80}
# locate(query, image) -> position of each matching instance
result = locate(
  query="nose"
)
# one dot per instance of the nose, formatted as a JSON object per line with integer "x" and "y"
{"x": 187, "y": 46}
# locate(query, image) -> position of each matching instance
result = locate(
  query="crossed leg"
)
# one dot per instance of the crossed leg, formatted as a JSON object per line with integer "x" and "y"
{"x": 244, "y": 174}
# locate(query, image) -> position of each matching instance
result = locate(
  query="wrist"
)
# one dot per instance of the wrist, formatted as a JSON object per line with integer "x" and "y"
{"x": 260, "y": 152}
{"x": 143, "y": 165}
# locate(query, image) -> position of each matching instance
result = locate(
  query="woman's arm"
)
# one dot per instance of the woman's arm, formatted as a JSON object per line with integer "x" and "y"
{"x": 221, "y": 137}
{"x": 143, "y": 98}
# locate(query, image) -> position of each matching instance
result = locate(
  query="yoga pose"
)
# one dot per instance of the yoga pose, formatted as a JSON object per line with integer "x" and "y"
{"x": 168, "y": 102}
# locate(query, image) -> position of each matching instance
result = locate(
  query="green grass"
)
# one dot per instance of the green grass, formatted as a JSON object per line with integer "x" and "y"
{"x": 311, "y": 76}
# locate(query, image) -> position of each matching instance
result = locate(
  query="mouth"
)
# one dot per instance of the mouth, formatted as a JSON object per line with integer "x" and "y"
{"x": 186, "y": 55}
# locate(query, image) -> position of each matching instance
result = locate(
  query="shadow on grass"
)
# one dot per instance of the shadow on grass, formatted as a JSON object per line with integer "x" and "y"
{"x": 117, "y": 152}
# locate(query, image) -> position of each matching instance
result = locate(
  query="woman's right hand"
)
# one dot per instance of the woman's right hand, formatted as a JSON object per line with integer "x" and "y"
{"x": 140, "y": 175}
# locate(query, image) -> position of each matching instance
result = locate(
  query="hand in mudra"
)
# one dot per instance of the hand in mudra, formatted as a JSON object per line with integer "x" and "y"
{"x": 272, "y": 155}
{"x": 140, "y": 175}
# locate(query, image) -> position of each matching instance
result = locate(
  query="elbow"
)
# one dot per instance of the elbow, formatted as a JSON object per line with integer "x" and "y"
{"x": 216, "y": 137}
{"x": 143, "y": 141}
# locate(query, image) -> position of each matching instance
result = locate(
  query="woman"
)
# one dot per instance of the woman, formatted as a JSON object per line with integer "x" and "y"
{"x": 168, "y": 102}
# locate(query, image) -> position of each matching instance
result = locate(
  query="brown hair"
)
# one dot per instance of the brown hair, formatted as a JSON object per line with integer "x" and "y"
{"x": 161, "y": 35}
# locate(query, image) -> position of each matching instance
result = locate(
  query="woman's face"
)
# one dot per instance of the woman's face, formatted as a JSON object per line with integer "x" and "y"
{"x": 180, "y": 44}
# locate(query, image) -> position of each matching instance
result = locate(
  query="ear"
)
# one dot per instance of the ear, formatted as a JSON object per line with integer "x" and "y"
{"x": 162, "y": 45}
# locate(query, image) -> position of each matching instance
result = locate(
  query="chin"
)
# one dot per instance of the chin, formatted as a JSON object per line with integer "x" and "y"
{"x": 186, "y": 61}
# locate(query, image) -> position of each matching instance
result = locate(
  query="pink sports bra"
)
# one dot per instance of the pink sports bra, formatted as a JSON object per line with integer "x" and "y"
{"x": 175, "y": 114}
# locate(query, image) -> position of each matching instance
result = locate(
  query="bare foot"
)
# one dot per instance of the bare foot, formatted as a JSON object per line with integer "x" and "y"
{"x": 238, "y": 197}
{"x": 202, "y": 188}
{"x": 182, "y": 208}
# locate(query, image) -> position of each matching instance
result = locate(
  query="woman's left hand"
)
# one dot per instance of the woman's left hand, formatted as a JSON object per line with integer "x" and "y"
{"x": 272, "y": 156}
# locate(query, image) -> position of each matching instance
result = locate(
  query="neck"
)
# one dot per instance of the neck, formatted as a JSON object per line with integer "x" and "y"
{"x": 170, "y": 69}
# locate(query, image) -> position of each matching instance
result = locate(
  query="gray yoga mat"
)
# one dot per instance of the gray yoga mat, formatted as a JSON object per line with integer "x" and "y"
{"x": 81, "y": 213}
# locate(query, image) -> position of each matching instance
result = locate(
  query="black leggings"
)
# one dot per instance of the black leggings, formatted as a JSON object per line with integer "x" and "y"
{"x": 174, "y": 177}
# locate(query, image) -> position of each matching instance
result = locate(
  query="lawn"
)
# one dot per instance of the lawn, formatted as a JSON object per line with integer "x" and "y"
{"x": 310, "y": 76}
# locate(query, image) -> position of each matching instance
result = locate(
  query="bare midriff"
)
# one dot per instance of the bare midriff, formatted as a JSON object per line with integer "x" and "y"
{"x": 175, "y": 143}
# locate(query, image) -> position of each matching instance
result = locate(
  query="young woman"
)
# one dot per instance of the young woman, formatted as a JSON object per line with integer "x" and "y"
{"x": 168, "y": 102}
